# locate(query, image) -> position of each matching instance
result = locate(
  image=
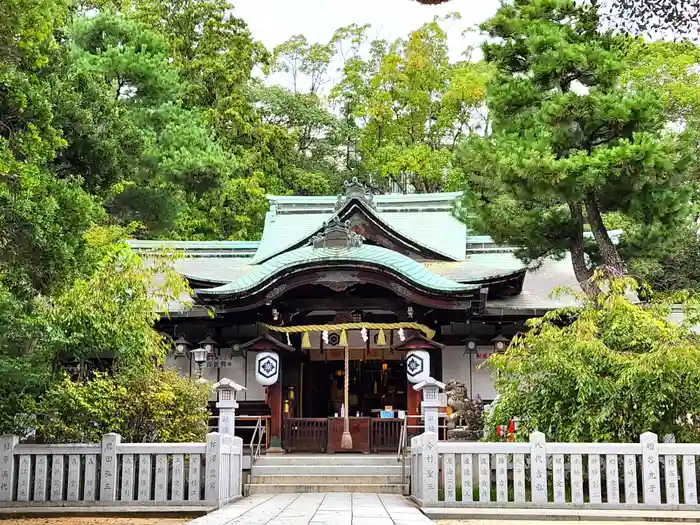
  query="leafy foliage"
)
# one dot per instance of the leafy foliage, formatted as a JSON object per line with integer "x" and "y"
{"x": 414, "y": 107}
{"x": 158, "y": 407}
{"x": 618, "y": 370}
{"x": 569, "y": 144}
{"x": 102, "y": 320}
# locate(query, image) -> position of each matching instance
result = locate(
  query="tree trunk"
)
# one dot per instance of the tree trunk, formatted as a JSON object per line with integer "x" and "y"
{"x": 584, "y": 275}
{"x": 614, "y": 265}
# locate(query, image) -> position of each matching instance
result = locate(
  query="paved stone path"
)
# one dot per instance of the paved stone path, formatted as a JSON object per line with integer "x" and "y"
{"x": 324, "y": 508}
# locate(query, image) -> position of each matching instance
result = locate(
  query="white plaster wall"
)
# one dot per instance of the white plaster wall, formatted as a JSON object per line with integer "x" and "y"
{"x": 237, "y": 372}
{"x": 482, "y": 379}
{"x": 455, "y": 365}
{"x": 242, "y": 372}
{"x": 255, "y": 392}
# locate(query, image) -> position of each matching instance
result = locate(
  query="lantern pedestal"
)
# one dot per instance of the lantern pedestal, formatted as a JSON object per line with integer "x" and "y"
{"x": 226, "y": 393}
{"x": 432, "y": 401}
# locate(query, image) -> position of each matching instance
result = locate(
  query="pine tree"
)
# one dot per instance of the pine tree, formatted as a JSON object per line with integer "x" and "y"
{"x": 570, "y": 144}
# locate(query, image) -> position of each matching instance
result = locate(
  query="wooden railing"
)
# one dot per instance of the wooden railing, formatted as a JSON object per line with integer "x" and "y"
{"x": 385, "y": 434}
{"x": 305, "y": 434}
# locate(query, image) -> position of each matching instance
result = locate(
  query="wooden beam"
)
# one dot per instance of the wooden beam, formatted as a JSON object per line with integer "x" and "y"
{"x": 342, "y": 303}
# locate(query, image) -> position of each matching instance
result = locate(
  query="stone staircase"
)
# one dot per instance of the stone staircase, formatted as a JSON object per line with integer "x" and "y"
{"x": 274, "y": 474}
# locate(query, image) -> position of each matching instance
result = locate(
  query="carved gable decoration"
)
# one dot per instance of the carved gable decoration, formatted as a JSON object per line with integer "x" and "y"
{"x": 336, "y": 235}
{"x": 355, "y": 190}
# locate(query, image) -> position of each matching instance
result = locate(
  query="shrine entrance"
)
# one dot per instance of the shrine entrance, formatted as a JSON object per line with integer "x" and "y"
{"x": 374, "y": 386}
{"x": 377, "y": 396}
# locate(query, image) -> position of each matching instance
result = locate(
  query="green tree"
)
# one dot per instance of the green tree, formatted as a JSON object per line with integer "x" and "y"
{"x": 71, "y": 292}
{"x": 103, "y": 320}
{"x": 167, "y": 170}
{"x": 112, "y": 310}
{"x": 213, "y": 50}
{"x": 672, "y": 69}
{"x": 42, "y": 219}
{"x": 570, "y": 144}
{"x": 616, "y": 371}
{"x": 414, "y": 106}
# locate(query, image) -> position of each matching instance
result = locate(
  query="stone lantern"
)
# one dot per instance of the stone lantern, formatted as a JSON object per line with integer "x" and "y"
{"x": 433, "y": 399}
{"x": 226, "y": 394}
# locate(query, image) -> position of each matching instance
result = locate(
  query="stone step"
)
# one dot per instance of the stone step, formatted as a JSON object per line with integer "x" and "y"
{"x": 255, "y": 488}
{"x": 328, "y": 469}
{"x": 326, "y": 459}
{"x": 323, "y": 479}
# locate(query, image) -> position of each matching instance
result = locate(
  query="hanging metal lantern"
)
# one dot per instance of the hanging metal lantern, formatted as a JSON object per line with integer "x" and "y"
{"x": 500, "y": 343}
{"x": 470, "y": 346}
{"x": 182, "y": 345}
{"x": 208, "y": 344}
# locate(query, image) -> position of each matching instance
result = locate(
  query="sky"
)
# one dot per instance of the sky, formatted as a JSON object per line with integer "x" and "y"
{"x": 273, "y": 21}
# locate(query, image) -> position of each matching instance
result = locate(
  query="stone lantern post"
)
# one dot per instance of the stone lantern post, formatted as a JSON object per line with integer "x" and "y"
{"x": 432, "y": 401}
{"x": 226, "y": 393}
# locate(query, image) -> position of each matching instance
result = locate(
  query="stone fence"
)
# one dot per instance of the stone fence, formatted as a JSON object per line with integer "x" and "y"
{"x": 113, "y": 473}
{"x": 538, "y": 474}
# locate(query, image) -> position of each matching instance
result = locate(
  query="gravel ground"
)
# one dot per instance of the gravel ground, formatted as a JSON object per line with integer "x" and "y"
{"x": 94, "y": 521}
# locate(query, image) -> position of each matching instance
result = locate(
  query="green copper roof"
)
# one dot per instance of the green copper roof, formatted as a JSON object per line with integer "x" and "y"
{"x": 423, "y": 219}
{"x": 365, "y": 254}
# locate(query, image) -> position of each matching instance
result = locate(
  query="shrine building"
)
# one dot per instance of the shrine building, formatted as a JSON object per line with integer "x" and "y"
{"x": 393, "y": 280}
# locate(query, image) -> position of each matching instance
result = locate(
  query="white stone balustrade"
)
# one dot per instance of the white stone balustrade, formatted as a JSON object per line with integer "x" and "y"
{"x": 648, "y": 474}
{"x": 129, "y": 474}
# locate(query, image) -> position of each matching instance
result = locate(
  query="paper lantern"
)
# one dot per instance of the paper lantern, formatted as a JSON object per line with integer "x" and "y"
{"x": 417, "y": 366}
{"x": 267, "y": 368}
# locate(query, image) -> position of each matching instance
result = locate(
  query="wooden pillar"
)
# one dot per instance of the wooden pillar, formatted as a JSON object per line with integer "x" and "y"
{"x": 274, "y": 401}
{"x": 413, "y": 402}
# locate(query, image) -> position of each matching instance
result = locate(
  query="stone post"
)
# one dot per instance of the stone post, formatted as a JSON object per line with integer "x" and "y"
{"x": 226, "y": 391}
{"x": 432, "y": 401}
{"x": 651, "y": 480}
{"x": 7, "y": 466}
{"x": 212, "y": 463}
{"x": 538, "y": 467}
{"x": 108, "y": 470}
{"x": 431, "y": 467}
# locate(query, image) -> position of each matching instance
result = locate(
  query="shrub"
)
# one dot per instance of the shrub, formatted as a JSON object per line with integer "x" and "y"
{"x": 159, "y": 406}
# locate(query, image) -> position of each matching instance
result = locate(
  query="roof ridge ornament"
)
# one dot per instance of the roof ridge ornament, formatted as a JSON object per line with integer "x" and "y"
{"x": 336, "y": 235}
{"x": 354, "y": 189}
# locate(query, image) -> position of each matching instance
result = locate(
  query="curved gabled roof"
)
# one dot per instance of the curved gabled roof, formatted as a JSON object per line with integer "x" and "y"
{"x": 429, "y": 228}
{"x": 365, "y": 255}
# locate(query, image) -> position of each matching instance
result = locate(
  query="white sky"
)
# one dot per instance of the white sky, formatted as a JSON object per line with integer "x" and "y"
{"x": 273, "y": 21}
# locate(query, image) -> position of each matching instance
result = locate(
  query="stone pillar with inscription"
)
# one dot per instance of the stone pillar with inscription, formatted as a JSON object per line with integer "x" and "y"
{"x": 108, "y": 467}
{"x": 432, "y": 401}
{"x": 431, "y": 468}
{"x": 7, "y": 466}
{"x": 213, "y": 466}
{"x": 226, "y": 392}
{"x": 650, "y": 468}
{"x": 538, "y": 467}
